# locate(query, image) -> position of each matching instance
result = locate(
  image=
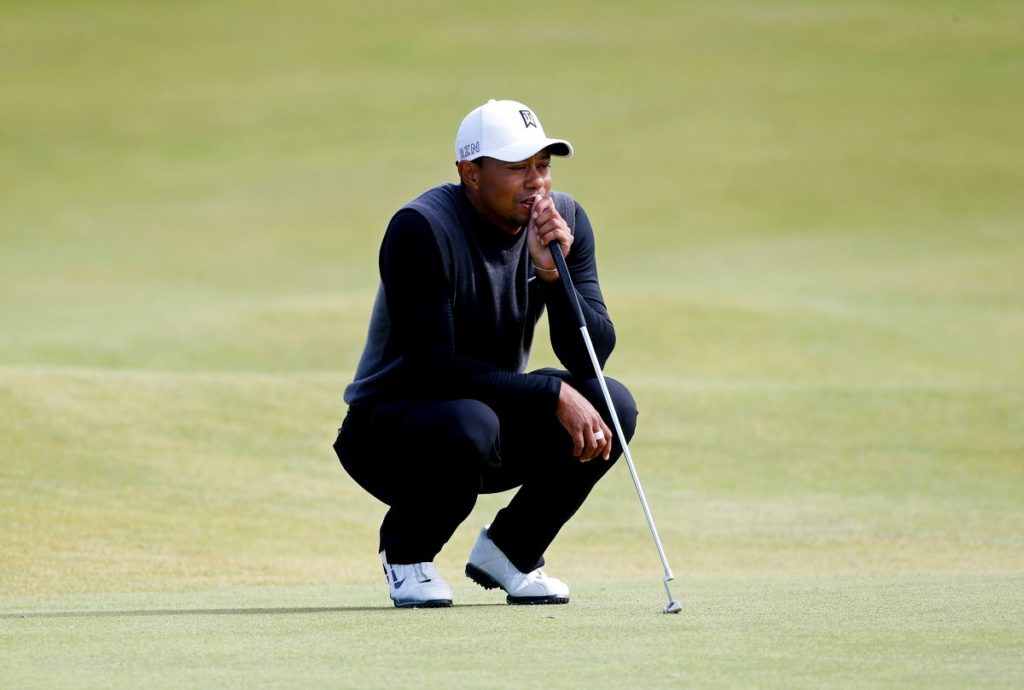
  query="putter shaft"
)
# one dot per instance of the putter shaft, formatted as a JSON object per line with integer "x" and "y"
{"x": 563, "y": 273}
{"x": 629, "y": 463}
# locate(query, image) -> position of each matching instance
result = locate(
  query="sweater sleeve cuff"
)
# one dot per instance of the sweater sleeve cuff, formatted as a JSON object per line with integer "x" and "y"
{"x": 552, "y": 390}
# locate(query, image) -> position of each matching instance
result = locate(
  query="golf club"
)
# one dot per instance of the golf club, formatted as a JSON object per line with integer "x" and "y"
{"x": 563, "y": 273}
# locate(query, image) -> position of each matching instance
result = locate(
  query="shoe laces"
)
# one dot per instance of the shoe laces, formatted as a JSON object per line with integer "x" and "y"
{"x": 421, "y": 573}
{"x": 537, "y": 575}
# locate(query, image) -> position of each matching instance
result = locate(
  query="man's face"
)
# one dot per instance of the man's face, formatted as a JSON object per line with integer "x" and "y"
{"x": 504, "y": 192}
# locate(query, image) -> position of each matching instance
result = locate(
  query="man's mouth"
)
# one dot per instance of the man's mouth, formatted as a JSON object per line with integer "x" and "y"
{"x": 532, "y": 199}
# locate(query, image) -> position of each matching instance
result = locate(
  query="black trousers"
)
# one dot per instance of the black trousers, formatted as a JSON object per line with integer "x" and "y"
{"x": 430, "y": 459}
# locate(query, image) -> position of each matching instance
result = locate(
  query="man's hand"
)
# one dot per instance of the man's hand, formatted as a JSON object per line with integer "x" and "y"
{"x": 582, "y": 421}
{"x": 546, "y": 226}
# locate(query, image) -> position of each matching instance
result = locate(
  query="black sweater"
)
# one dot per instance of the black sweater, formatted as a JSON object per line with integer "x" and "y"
{"x": 469, "y": 336}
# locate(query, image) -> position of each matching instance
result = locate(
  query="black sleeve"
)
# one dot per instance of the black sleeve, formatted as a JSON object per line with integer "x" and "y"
{"x": 566, "y": 340}
{"x": 418, "y": 295}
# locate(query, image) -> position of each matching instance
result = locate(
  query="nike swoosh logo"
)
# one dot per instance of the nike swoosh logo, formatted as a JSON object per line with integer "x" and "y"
{"x": 531, "y": 279}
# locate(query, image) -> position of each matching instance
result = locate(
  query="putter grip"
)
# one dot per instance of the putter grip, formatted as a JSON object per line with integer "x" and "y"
{"x": 570, "y": 289}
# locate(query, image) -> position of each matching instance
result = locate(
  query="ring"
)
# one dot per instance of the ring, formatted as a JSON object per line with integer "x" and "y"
{"x": 598, "y": 435}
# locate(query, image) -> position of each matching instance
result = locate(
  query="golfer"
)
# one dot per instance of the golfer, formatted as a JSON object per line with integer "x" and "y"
{"x": 442, "y": 409}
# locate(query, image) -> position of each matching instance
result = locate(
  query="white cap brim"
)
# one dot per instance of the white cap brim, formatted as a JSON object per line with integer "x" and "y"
{"x": 521, "y": 150}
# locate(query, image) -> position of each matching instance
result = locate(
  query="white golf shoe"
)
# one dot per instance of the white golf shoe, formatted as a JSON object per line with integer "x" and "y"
{"x": 490, "y": 568}
{"x": 416, "y": 585}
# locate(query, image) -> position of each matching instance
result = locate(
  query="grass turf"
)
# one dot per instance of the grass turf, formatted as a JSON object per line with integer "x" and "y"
{"x": 843, "y": 632}
{"x": 810, "y": 239}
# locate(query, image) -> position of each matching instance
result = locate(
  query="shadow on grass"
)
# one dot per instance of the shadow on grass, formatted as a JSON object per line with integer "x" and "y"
{"x": 208, "y": 612}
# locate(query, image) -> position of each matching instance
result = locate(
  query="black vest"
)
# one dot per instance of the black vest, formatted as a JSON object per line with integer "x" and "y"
{"x": 494, "y": 296}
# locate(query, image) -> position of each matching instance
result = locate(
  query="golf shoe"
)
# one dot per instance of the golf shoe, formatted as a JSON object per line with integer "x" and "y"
{"x": 490, "y": 568}
{"x": 416, "y": 585}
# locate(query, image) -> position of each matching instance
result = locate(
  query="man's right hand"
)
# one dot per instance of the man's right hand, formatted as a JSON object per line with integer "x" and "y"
{"x": 582, "y": 421}
{"x": 546, "y": 226}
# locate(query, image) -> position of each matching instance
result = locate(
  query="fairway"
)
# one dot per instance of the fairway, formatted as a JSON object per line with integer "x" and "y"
{"x": 810, "y": 231}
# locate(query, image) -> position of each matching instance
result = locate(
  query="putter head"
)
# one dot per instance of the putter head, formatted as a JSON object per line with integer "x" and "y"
{"x": 673, "y": 607}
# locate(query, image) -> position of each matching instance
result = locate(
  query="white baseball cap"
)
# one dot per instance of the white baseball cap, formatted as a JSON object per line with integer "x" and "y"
{"x": 506, "y": 130}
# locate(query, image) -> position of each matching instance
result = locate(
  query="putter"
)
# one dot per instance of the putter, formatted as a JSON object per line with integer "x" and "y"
{"x": 563, "y": 273}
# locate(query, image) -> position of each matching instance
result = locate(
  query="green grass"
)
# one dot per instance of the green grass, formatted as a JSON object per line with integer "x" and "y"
{"x": 841, "y": 632}
{"x": 811, "y": 236}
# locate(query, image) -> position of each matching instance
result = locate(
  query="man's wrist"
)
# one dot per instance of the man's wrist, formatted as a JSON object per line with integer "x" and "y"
{"x": 548, "y": 275}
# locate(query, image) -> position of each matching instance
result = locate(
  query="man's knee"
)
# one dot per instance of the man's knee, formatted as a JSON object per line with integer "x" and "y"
{"x": 466, "y": 428}
{"x": 625, "y": 405}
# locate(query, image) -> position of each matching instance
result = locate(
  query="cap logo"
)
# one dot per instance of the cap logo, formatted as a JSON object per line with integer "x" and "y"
{"x": 469, "y": 150}
{"x": 528, "y": 120}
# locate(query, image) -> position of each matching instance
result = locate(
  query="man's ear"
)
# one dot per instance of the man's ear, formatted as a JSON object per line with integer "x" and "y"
{"x": 469, "y": 173}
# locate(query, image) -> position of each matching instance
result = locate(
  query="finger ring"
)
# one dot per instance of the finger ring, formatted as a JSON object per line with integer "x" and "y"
{"x": 598, "y": 435}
